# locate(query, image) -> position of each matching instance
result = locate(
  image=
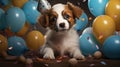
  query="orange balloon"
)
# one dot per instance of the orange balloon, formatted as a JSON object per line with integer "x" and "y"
{"x": 24, "y": 30}
{"x": 103, "y": 27}
{"x": 19, "y": 3}
{"x": 8, "y": 32}
{"x": 34, "y": 40}
{"x": 113, "y": 10}
{"x": 3, "y": 43}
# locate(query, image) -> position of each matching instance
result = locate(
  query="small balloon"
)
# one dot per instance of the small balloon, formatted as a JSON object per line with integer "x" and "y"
{"x": 15, "y": 18}
{"x": 3, "y": 43}
{"x": 103, "y": 27}
{"x": 30, "y": 10}
{"x": 19, "y": 3}
{"x": 81, "y": 22}
{"x": 34, "y": 40}
{"x": 97, "y": 7}
{"x": 88, "y": 44}
{"x": 113, "y": 10}
{"x": 4, "y": 2}
{"x": 16, "y": 46}
{"x": 111, "y": 47}
{"x": 87, "y": 30}
{"x": 8, "y": 32}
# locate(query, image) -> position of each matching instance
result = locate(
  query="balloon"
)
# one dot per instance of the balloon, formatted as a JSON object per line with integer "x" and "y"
{"x": 111, "y": 47}
{"x": 8, "y": 32}
{"x": 16, "y": 46}
{"x": 103, "y": 27}
{"x": 88, "y": 44}
{"x": 87, "y": 30}
{"x": 30, "y": 9}
{"x": 34, "y": 40}
{"x": 3, "y": 43}
{"x": 24, "y": 30}
{"x": 97, "y": 7}
{"x": 4, "y": 2}
{"x": 15, "y": 19}
{"x": 19, "y": 3}
{"x": 113, "y": 10}
{"x": 81, "y": 22}
{"x": 2, "y": 20}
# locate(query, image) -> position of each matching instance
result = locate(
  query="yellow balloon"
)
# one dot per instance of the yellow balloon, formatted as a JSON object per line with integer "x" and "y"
{"x": 3, "y": 43}
{"x": 19, "y": 3}
{"x": 103, "y": 27}
{"x": 113, "y": 10}
{"x": 24, "y": 30}
{"x": 34, "y": 40}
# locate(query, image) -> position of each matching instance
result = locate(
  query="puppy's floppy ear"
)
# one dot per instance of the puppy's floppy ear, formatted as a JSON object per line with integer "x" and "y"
{"x": 43, "y": 20}
{"x": 77, "y": 12}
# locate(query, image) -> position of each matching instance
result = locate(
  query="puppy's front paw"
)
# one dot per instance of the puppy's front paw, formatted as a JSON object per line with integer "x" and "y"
{"x": 49, "y": 54}
{"x": 78, "y": 55}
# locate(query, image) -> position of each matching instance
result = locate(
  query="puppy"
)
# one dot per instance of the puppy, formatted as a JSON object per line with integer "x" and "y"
{"x": 61, "y": 36}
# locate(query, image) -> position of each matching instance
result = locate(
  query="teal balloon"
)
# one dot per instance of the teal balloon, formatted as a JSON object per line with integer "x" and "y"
{"x": 81, "y": 22}
{"x": 111, "y": 47}
{"x": 88, "y": 44}
{"x": 97, "y": 7}
{"x": 15, "y": 19}
{"x": 30, "y": 9}
{"x": 3, "y": 24}
{"x": 16, "y": 46}
{"x": 4, "y": 2}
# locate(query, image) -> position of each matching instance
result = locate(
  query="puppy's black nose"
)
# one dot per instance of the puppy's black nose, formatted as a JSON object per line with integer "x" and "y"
{"x": 62, "y": 25}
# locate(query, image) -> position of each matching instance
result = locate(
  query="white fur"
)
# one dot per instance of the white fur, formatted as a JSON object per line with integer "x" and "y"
{"x": 62, "y": 41}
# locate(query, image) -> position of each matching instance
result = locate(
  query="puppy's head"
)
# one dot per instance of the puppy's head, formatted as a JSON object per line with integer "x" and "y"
{"x": 60, "y": 17}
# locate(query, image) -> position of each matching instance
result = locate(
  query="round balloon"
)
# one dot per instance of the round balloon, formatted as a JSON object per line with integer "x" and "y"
{"x": 113, "y": 10}
{"x": 3, "y": 24}
{"x": 15, "y": 19}
{"x": 88, "y": 44}
{"x": 111, "y": 47}
{"x": 16, "y": 46}
{"x": 3, "y": 43}
{"x": 24, "y": 30}
{"x": 4, "y": 2}
{"x": 97, "y": 7}
{"x": 87, "y": 30}
{"x": 30, "y": 9}
{"x": 19, "y": 3}
{"x": 81, "y": 22}
{"x": 103, "y": 27}
{"x": 34, "y": 40}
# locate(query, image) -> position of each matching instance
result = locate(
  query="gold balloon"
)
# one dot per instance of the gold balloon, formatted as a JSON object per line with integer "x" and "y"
{"x": 113, "y": 10}
{"x": 24, "y": 30}
{"x": 34, "y": 40}
{"x": 3, "y": 43}
{"x": 103, "y": 27}
{"x": 19, "y": 3}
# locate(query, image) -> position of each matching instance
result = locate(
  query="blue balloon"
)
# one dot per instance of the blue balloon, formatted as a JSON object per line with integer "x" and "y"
{"x": 97, "y": 7}
{"x": 16, "y": 46}
{"x": 3, "y": 24}
{"x": 88, "y": 44}
{"x": 31, "y": 12}
{"x": 15, "y": 19}
{"x": 111, "y": 47}
{"x": 81, "y": 22}
{"x": 4, "y": 2}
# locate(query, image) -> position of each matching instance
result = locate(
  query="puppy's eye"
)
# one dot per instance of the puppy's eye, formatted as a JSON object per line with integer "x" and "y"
{"x": 66, "y": 16}
{"x": 53, "y": 19}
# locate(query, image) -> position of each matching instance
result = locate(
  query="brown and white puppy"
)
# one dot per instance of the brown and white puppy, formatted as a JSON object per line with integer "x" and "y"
{"x": 61, "y": 36}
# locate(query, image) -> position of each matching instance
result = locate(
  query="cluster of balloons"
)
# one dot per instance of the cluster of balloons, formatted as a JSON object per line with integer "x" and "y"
{"x": 15, "y": 23}
{"x": 102, "y": 32}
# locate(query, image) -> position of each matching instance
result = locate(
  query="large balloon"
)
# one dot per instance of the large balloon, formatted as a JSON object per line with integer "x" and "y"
{"x": 30, "y": 9}
{"x": 3, "y": 24}
{"x": 16, "y": 46}
{"x": 19, "y": 3}
{"x": 34, "y": 40}
{"x": 103, "y": 27}
{"x": 3, "y": 43}
{"x": 97, "y": 7}
{"x": 113, "y": 10}
{"x": 111, "y": 47}
{"x": 15, "y": 19}
{"x": 88, "y": 44}
{"x": 24, "y": 30}
{"x": 81, "y": 22}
